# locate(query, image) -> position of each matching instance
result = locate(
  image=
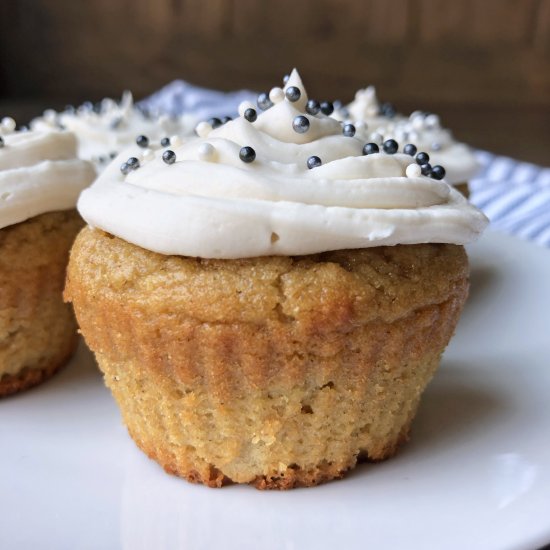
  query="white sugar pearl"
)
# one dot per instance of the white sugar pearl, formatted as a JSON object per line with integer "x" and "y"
{"x": 203, "y": 129}
{"x": 376, "y": 137}
{"x": 418, "y": 123}
{"x": 360, "y": 125}
{"x": 276, "y": 95}
{"x": 244, "y": 105}
{"x": 148, "y": 154}
{"x": 176, "y": 141}
{"x": 8, "y": 124}
{"x": 206, "y": 151}
{"x": 50, "y": 116}
{"x": 108, "y": 104}
{"x": 432, "y": 121}
{"x": 413, "y": 170}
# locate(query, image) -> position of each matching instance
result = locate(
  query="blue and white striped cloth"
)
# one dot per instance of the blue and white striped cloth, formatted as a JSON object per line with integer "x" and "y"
{"x": 180, "y": 97}
{"x": 515, "y": 195}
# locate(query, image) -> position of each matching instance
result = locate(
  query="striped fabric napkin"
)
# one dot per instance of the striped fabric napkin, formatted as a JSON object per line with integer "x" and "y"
{"x": 180, "y": 97}
{"x": 514, "y": 195}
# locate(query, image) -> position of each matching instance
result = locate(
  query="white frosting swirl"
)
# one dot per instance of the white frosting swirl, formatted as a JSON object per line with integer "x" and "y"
{"x": 424, "y": 130}
{"x": 211, "y": 204}
{"x": 104, "y": 132}
{"x": 39, "y": 173}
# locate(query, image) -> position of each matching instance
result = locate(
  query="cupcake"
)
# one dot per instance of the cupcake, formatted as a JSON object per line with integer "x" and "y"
{"x": 103, "y": 130}
{"x": 266, "y": 302}
{"x": 378, "y": 122}
{"x": 40, "y": 180}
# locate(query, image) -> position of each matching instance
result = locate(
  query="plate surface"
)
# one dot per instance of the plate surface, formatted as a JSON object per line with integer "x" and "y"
{"x": 475, "y": 475}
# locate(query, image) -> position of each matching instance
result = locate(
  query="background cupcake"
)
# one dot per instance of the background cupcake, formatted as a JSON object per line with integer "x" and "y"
{"x": 246, "y": 304}
{"x": 378, "y": 122}
{"x": 103, "y": 130}
{"x": 40, "y": 180}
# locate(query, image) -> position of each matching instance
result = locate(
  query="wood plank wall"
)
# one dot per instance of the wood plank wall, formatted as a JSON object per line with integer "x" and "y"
{"x": 476, "y": 51}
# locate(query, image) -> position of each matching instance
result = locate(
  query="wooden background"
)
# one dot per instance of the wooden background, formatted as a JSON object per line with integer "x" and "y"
{"x": 483, "y": 64}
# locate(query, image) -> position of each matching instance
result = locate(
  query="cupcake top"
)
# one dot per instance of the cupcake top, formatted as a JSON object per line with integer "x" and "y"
{"x": 379, "y": 122}
{"x": 105, "y": 129}
{"x": 39, "y": 173}
{"x": 284, "y": 179}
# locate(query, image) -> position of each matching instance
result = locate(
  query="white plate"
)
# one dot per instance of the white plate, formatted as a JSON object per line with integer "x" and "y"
{"x": 476, "y": 474}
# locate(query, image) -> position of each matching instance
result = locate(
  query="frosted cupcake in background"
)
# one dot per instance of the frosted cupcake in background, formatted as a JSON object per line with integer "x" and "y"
{"x": 104, "y": 130}
{"x": 379, "y": 122}
{"x": 40, "y": 180}
{"x": 268, "y": 302}
{"x": 366, "y": 111}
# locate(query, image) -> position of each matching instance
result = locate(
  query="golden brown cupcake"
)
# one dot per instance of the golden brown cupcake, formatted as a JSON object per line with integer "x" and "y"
{"x": 267, "y": 303}
{"x": 40, "y": 179}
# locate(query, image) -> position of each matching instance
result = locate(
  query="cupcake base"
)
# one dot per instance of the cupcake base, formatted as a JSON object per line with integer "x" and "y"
{"x": 359, "y": 429}
{"x": 37, "y": 330}
{"x": 289, "y": 477}
{"x": 34, "y": 376}
{"x": 278, "y": 372}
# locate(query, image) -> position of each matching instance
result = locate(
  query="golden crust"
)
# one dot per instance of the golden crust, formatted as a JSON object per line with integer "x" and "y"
{"x": 290, "y": 477}
{"x": 276, "y": 371}
{"x": 29, "y": 377}
{"x": 37, "y": 330}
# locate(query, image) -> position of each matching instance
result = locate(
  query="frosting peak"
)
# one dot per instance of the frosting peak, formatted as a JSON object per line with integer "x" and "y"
{"x": 245, "y": 188}
{"x": 294, "y": 80}
{"x": 365, "y": 104}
